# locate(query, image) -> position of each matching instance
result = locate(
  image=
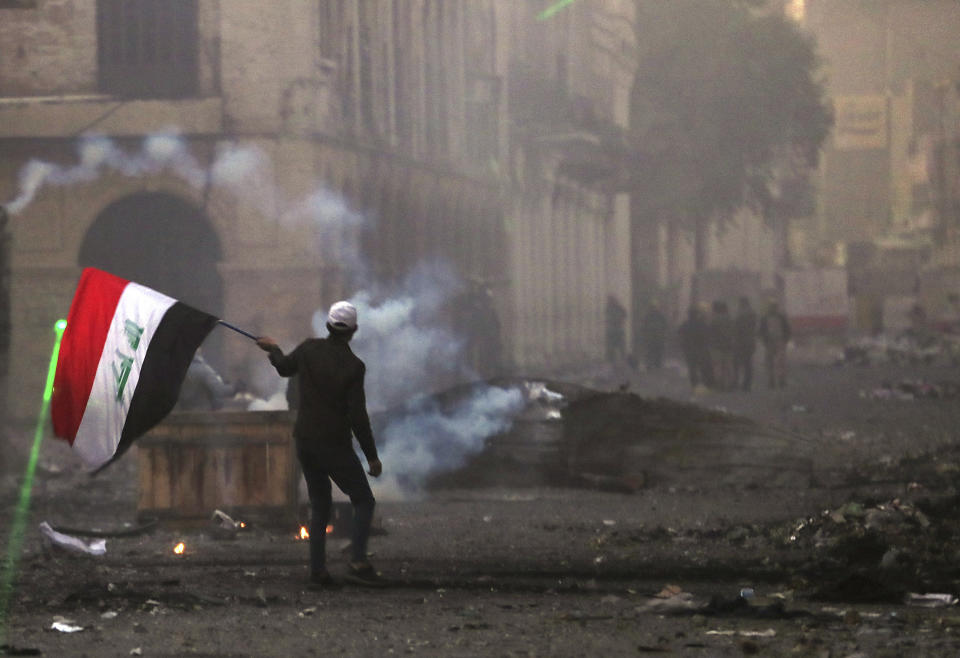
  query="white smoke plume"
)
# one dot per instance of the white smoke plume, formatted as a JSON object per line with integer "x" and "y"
{"x": 239, "y": 168}
{"x": 406, "y": 339}
{"x": 427, "y": 439}
{"x": 97, "y": 154}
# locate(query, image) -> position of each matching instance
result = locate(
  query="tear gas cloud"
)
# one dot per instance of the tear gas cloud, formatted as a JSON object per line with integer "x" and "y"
{"x": 405, "y": 338}
{"x": 427, "y": 439}
{"x": 405, "y": 335}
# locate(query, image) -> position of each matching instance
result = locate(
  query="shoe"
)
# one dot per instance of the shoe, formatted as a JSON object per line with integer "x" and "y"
{"x": 322, "y": 580}
{"x": 363, "y": 573}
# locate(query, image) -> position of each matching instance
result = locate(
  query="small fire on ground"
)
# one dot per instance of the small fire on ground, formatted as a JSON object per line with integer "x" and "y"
{"x": 179, "y": 548}
{"x": 305, "y": 534}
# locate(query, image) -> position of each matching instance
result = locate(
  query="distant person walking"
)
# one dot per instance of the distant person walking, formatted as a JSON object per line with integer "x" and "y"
{"x": 744, "y": 343}
{"x": 616, "y": 316}
{"x": 774, "y": 332}
{"x": 332, "y": 409}
{"x": 721, "y": 345}
{"x": 654, "y": 335}
{"x": 694, "y": 336}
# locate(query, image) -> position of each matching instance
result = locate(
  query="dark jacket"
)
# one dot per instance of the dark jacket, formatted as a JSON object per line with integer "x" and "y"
{"x": 694, "y": 335}
{"x": 332, "y": 400}
{"x": 774, "y": 329}
{"x": 745, "y": 324}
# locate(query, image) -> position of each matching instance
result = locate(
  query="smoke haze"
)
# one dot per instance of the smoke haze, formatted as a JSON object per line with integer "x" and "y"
{"x": 405, "y": 334}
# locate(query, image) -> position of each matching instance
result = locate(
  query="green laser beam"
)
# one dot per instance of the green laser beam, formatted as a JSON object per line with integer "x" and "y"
{"x": 553, "y": 9}
{"x": 8, "y": 575}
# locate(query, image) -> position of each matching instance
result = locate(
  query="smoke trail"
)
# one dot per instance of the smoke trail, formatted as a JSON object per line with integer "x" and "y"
{"x": 239, "y": 168}
{"x": 96, "y": 154}
{"x": 426, "y": 438}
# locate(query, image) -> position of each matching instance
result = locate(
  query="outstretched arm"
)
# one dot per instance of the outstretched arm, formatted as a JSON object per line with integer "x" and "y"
{"x": 286, "y": 365}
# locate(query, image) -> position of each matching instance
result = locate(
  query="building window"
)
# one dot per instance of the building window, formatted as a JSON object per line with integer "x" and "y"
{"x": 147, "y": 48}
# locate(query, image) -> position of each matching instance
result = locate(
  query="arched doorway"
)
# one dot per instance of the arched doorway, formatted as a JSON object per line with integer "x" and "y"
{"x": 163, "y": 242}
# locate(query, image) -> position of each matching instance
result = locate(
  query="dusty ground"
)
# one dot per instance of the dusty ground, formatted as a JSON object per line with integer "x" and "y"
{"x": 554, "y": 571}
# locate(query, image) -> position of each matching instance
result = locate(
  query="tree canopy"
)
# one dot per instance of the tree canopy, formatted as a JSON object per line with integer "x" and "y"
{"x": 726, "y": 108}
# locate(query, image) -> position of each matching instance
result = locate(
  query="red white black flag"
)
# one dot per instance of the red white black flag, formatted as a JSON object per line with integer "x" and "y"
{"x": 123, "y": 357}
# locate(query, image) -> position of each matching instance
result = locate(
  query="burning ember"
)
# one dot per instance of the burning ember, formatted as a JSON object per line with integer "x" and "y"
{"x": 305, "y": 534}
{"x": 178, "y": 549}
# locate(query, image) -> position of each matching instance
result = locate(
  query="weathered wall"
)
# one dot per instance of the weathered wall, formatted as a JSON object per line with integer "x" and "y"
{"x": 269, "y": 64}
{"x": 49, "y": 50}
{"x": 551, "y": 253}
{"x": 52, "y": 50}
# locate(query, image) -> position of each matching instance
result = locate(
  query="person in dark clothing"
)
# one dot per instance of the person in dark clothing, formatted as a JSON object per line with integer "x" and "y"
{"x": 332, "y": 409}
{"x": 616, "y": 316}
{"x": 694, "y": 341}
{"x": 654, "y": 330}
{"x": 721, "y": 345}
{"x": 744, "y": 343}
{"x": 774, "y": 332}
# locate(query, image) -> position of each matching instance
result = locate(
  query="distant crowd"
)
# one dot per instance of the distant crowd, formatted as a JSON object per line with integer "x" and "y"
{"x": 718, "y": 346}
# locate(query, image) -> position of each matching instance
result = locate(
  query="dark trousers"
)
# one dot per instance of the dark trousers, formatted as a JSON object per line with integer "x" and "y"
{"x": 320, "y": 465}
{"x": 743, "y": 366}
{"x": 700, "y": 368}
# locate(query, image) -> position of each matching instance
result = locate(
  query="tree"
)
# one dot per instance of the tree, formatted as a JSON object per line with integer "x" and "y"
{"x": 726, "y": 112}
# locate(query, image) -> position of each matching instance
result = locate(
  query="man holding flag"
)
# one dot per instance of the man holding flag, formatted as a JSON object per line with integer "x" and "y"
{"x": 332, "y": 408}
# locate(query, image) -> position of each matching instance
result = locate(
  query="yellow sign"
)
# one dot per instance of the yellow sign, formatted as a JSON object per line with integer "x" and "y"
{"x": 861, "y": 122}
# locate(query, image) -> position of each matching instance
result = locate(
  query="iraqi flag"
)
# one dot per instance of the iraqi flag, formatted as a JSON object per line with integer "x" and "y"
{"x": 123, "y": 357}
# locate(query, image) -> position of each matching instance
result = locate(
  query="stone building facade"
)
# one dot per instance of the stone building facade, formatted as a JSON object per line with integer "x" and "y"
{"x": 124, "y": 127}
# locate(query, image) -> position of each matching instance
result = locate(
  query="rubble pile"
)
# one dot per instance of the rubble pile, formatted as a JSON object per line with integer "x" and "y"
{"x": 570, "y": 435}
{"x": 885, "y": 550}
{"x": 879, "y": 552}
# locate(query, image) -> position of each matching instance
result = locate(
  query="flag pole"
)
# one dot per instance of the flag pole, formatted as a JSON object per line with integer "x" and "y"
{"x": 237, "y": 329}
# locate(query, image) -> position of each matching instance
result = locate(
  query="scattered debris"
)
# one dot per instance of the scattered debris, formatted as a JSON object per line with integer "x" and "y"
{"x": 223, "y": 527}
{"x": 128, "y": 530}
{"x": 73, "y": 544}
{"x": 879, "y": 552}
{"x": 12, "y": 650}
{"x": 906, "y": 348}
{"x": 671, "y": 599}
{"x": 742, "y": 633}
{"x": 914, "y": 389}
{"x": 931, "y": 600}
{"x": 65, "y": 626}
